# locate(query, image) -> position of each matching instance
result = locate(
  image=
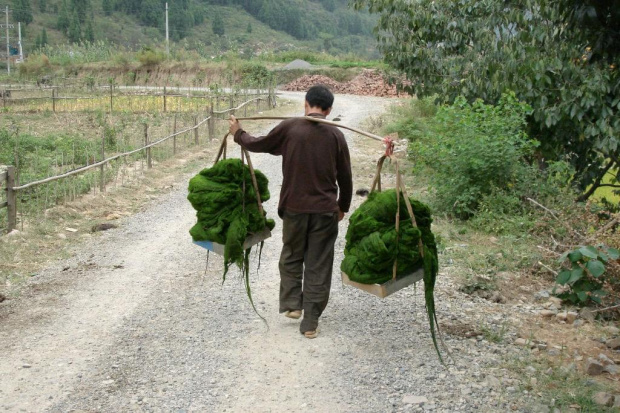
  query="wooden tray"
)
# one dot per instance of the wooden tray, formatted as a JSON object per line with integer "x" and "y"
{"x": 387, "y": 288}
{"x": 250, "y": 241}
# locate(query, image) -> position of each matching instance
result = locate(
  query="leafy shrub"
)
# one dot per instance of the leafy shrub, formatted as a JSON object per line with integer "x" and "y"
{"x": 35, "y": 65}
{"x": 472, "y": 151}
{"x": 150, "y": 57}
{"x": 255, "y": 74}
{"x": 584, "y": 273}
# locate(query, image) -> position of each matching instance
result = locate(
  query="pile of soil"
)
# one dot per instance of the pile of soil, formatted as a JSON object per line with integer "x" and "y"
{"x": 367, "y": 83}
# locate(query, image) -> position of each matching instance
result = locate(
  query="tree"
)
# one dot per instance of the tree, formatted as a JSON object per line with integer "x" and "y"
{"x": 22, "y": 12}
{"x": 249, "y": 28}
{"x": 558, "y": 56}
{"x": 218, "y": 25}
{"x": 43, "y": 41}
{"x": 81, "y": 7}
{"x": 89, "y": 32}
{"x": 42, "y": 6}
{"x": 75, "y": 30}
{"x": 107, "y": 7}
{"x": 63, "y": 18}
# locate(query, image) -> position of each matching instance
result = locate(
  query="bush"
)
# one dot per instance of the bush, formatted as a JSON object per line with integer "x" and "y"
{"x": 35, "y": 65}
{"x": 473, "y": 151}
{"x": 150, "y": 57}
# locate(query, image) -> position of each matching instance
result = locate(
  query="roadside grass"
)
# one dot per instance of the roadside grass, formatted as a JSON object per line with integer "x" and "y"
{"x": 562, "y": 387}
{"x": 494, "y": 334}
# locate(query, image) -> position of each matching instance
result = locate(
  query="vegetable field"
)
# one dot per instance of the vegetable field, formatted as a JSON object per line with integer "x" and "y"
{"x": 43, "y": 138}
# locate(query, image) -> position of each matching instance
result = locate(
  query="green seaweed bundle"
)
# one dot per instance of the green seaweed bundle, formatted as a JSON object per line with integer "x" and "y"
{"x": 373, "y": 245}
{"x": 226, "y": 214}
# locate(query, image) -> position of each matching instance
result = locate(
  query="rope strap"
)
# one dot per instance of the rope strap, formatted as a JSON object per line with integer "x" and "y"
{"x": 400, "y": 189}
{"x": 244, "y": 154}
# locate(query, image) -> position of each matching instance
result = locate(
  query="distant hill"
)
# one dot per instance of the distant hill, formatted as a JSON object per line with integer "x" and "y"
{"x": 209, "y": 27}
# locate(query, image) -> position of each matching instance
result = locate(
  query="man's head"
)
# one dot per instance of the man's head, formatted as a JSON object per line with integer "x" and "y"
{"x": 319, "y": 99}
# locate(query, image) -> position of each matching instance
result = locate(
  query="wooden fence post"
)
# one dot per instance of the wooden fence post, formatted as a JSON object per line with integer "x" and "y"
{"x": 149, "y": 163}
{"x": 164, "y": 98}
{"x": 102, "y": 167}
{"x": 54, "y": 99}
{"x": 111, "y": 97}
{"x": 174, "y": 140}
{"x": 11, "y": 199}
{"x": 196, "y": 139}
{"x": 211, "y": 123}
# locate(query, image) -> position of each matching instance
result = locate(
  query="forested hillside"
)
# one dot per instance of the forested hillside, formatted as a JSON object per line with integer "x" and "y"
{"x": 211, "y": 25}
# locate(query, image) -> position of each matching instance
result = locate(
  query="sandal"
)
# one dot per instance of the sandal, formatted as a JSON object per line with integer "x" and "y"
{"x": 294, "y": 314}
{"x": 311, "y": 334}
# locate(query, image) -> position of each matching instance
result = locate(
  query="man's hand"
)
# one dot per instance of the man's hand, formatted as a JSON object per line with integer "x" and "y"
{"x": 234, "y": 125}
{"x": 340, "y": 215}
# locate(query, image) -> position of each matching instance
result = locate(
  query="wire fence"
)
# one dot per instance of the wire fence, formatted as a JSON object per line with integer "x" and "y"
{"x": 113, "y": 98}
{"x": 120, "y": 156}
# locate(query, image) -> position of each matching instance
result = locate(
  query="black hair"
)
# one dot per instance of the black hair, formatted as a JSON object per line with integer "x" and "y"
{"x": 320, "y": 96}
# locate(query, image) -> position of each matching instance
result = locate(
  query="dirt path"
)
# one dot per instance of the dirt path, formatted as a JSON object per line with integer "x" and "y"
{"x": 134, "y": 323}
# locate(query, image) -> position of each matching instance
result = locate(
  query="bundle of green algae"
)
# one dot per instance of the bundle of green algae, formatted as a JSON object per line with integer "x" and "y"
{"x": 226, "y": 214}
{"x": 373, "y": 245}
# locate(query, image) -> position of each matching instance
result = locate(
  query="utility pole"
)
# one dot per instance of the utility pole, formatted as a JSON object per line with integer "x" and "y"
{"x": 21, "y": 51}
{"x": 167, "y": 34}
{"x": 8, "y": 49}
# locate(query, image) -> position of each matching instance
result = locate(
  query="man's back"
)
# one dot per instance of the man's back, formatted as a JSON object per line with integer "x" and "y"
{"x": 315, "y": 164}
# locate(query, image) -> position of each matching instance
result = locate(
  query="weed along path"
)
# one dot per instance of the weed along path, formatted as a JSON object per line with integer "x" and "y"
{"x": 134, "y": 322}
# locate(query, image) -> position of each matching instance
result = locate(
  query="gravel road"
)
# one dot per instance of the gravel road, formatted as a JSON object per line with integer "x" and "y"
{"x": 133, "y": 322}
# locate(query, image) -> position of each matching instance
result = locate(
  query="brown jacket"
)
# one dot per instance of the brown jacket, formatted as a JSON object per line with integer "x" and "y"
{"x": 315, "y": 165}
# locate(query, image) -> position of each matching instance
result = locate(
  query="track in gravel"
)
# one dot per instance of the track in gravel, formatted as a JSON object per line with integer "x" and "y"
{"x": 136, "y": 324}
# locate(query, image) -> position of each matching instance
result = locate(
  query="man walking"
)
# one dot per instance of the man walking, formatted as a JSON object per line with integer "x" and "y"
{"x": 316, "y": 193}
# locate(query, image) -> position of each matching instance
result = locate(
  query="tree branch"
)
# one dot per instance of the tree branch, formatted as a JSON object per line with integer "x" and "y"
{"x": 596, "y": 184}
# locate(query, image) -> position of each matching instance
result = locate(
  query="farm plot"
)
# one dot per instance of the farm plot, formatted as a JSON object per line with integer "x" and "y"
{"x": 41, "y": 144}
{"x": 111, "y": 99}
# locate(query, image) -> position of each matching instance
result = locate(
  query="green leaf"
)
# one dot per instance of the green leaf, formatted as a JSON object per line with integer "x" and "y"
{"x": 596, "y": 268}
{"x": 614, "y": 254}
{"x": 589, "y": 252}
{"x": 583, "y": 296}
{"x": 575, "y": 256}
{"x": 563, "y": 277}
{"x": 575, "y": 275}
{"x": 563, "y": 256}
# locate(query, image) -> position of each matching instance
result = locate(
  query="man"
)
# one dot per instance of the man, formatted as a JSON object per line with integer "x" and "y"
{"x": 316, "y": 166}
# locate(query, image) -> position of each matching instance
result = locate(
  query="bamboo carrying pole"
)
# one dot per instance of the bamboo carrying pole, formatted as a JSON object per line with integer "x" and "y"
{"x": 317, "y": 120}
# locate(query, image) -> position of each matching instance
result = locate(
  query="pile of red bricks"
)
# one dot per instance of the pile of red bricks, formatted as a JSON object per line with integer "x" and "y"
{"x": 367, "y": 83}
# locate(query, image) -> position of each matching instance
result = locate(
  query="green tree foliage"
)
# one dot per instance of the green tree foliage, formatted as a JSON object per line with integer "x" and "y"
{"x": 306, "y": 19}
{"x": 75, "y": 29}
{"x": 63, "y": 17}
{"x": 561, "y": 57}
{"x": 81, "y": 7}
{"x": 41, "y": 40}
{"x": 42, "y": 6}
{"x": 217, "y": 25}
{"x": 89, "y": 32}
{"x": 107, "y": 7}
{"x": 152, "y": 13}
{"x": 22, "y": 12}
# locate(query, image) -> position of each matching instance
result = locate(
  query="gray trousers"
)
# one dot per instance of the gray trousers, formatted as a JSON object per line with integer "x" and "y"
{"x": 306, "y": 264}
